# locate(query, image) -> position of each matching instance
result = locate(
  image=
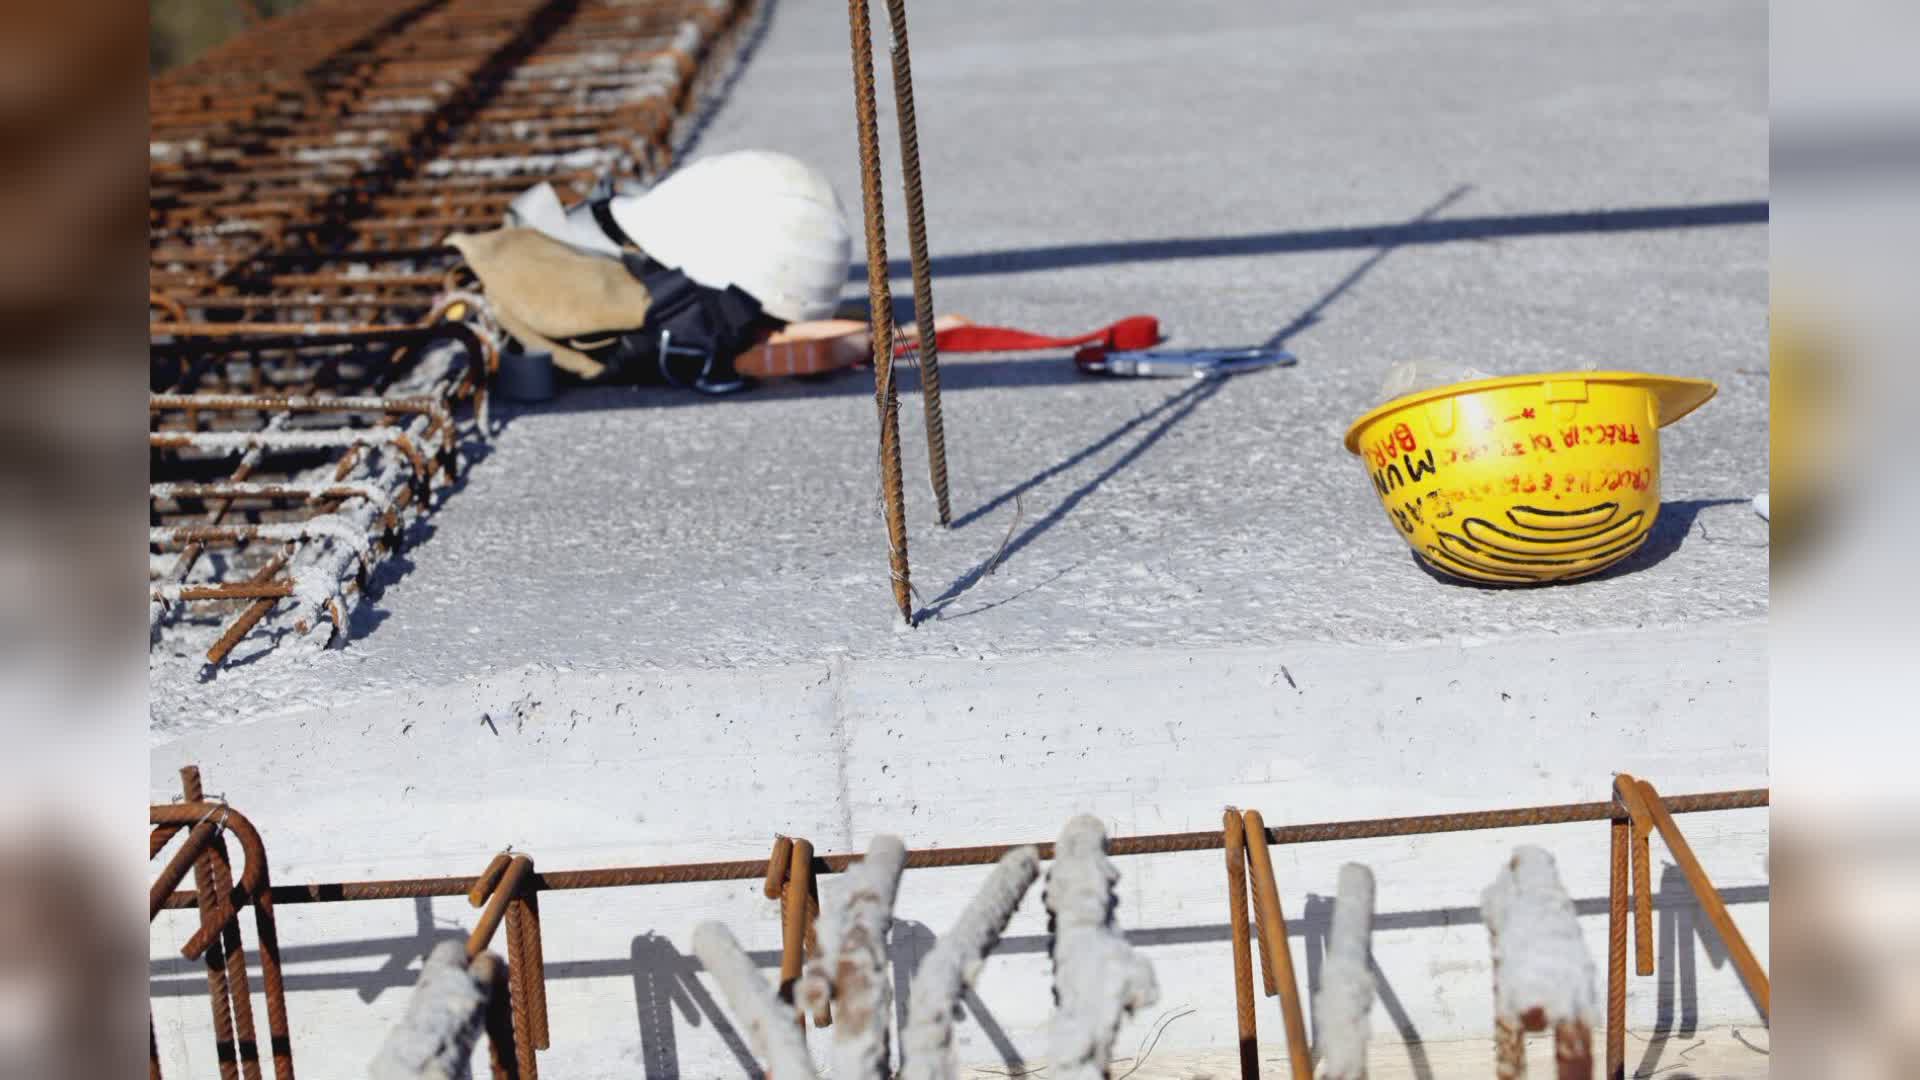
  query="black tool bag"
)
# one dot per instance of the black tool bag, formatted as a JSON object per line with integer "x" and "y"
{"x": 692, "y": 332}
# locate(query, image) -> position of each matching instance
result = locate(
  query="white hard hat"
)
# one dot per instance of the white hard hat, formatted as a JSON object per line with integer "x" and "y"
{"x": 539, "y": 207}
{"x": 764, "y": 221}
{"x": 759, "y": 220}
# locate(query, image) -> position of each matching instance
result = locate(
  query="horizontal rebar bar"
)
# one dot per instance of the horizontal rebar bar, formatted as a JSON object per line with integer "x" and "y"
{"x": 925, "y": 858}
{"x": 233, "y": 590}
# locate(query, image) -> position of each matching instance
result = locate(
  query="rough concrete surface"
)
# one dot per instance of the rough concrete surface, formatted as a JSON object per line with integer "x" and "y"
{"x": 1720, "y": 1054}
{"x": 1584, "y": 185}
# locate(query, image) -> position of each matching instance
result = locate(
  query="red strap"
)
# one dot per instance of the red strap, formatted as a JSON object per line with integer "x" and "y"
{"x": 1132, "y": 332}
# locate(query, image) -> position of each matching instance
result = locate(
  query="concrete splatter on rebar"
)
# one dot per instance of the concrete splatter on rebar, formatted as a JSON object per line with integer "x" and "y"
{"x": 1098, "y": 979}
{"x": 1345, "y": 998}
{"x": 1543, "y": 976}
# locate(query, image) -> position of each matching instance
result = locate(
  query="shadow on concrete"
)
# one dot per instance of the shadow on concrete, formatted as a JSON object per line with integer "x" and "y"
{"x": 1311, "y": 314}
{"x": 1670, "y": 532}
{"x": 1175, "y": 409}
{"x": 1181, "y": 403}
{"x": 400, "y": 959}
{"x": 1315, "y": 925}
{"x": 909, "y": 943}
{"x": 1676, "y": 976}
{"x": 665, "y": 991}
{"x": 1295, "y": 242}
{"x": 668, "y": 992}
{"x": 959, "y": 374}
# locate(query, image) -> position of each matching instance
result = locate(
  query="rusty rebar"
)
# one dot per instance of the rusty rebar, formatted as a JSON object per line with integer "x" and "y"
{"x": 928, "y": 345}
{"x": 521, "y": 992}
{"x": 1711, "y": 904}
{"x": 212, "y": 900}
{"x": 1509, "y": 1049}
{"x": 238, "y": 590}
{"x": 986, "y": 854}
{"x": 245, "y": 1038}
{"x": 1572, "y": 1051}
{"x": 221, "y": 938}
{"x": 880, "y": 308}
{"x": 1641, "y": 828}
{"x": 484, "y": 884}
{"x": 1234, "y": 836}
{"x": 510, "y": 882}
{"x": 535, "y": 951}
{"x": 503, "y": 1051}
{"x": 1273, "y": 944}
{"x": 215, "y": 514}
{"x": 267, "y": 934}
{"x": 776, "y": 879}
{"x": 244, "y": 623}
{"x": 1617, "y": 885}
{"x": 187, "y": 858}
{"x": 255, "y": 887}
{"x": 799, "y": 909}
{"x": 157, "y": 841}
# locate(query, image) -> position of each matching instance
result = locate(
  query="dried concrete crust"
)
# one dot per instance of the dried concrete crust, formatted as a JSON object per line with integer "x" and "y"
{"x": 1345, "y": 999}
{"x": 444, "y": 1018}
{"x": 927, "y": 1042}
{"x": 850, "y": 968}
{"x": 1098, "y": 980}
{"x": 769, "y": 1022}
{"x": 1540, "y": 960}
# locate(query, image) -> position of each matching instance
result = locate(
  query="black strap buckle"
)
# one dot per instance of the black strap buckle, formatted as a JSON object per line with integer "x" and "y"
{"x": 602, "y": 211}
{"x": 713, "y": 377}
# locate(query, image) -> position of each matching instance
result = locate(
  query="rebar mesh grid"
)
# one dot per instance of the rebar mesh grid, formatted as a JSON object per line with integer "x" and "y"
{"x": 316, "y": 366}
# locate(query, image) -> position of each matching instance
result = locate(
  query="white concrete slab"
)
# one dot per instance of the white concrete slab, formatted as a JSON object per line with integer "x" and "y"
{"x": 1595, "y": 186}
{"x": 588, "y": 770}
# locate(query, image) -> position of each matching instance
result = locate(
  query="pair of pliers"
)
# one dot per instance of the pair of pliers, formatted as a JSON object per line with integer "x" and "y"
{"x": 1191, "y": 363}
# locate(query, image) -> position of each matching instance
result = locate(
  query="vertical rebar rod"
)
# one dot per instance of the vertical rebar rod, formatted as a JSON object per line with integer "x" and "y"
{"x": 1509, "y": 1046}
{"x": 1273, "y": 945}
{"x": 245, "y": 1038}
{"x": 880, "y": 307}
{"x": 793, "y": 918}
{"x": 1641, "y": 825}
{"x": 1617, "y": 950}
{"x": 503, "y": 1052}
{"x": 519, "y": 968}
{"x": 267, "y": 933}
{"x": 1235, "y": 837}
{"x": 537, "y": 952}
{"x": 1572, "y": 1051}
{"x": 226, "y": 1045}
{"x": 523, "y": 946}
{"x": 928, "y": 345}
{"x": 246, "y": 1041}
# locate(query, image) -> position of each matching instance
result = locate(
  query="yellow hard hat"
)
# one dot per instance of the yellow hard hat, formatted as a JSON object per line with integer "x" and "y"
{"x": 1525, "y": 478}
